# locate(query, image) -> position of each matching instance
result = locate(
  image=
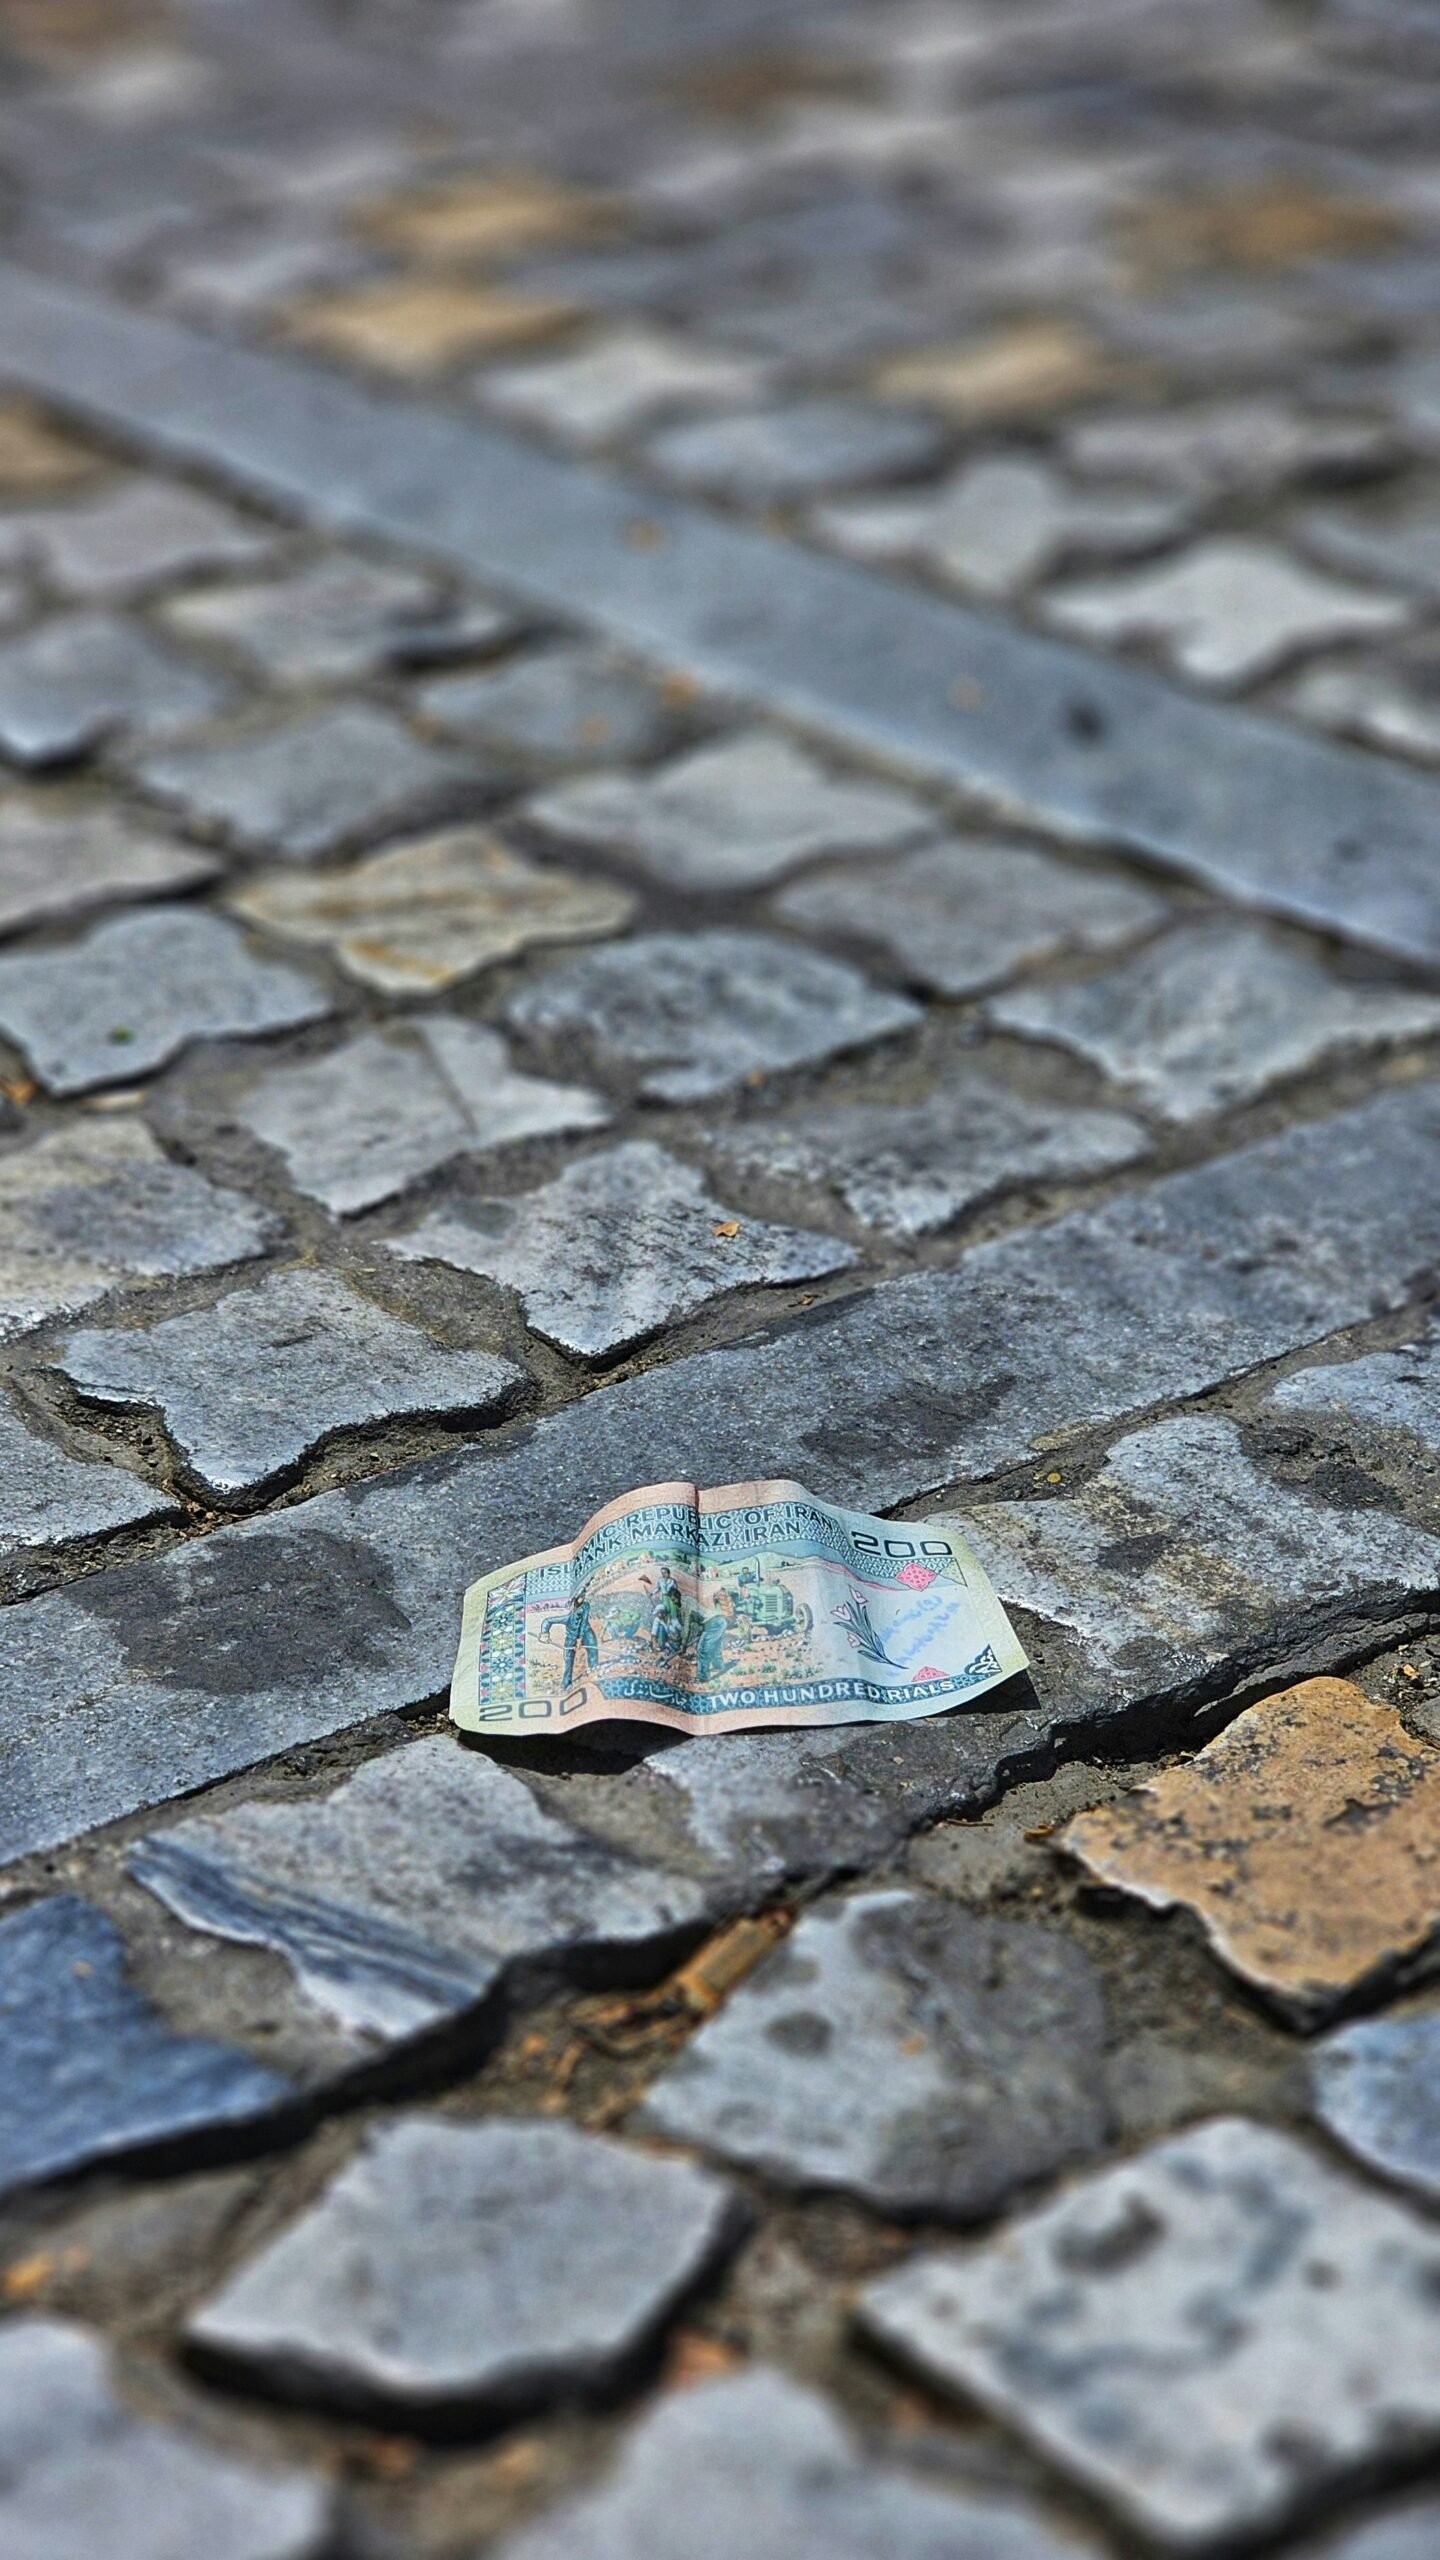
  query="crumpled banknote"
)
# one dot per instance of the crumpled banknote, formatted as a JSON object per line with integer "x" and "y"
{"x": 750, "y": 1604}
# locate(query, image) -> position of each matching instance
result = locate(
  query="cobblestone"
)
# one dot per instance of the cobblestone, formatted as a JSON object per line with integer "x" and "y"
{"x": 924, "y": 2060}
{"x": 252, "y": 1386}
{"x": 962, "y": 915}
{"x": 1001, "y": 523}
{"x": 133, "y": 536}
{"x": 1376, "y": 2087}
{"x": 427, "y": 913}
{"x": 616, "y": 1247}
{"x": 471, "y": 2265}
{"x": 58, "y": 862}
{"x": 1211, "y": 447}
{"x": 770, "y": 2471}
{"x": 1236, "y": 2382}
{"x": 97, "y": 2072}
{"x": 684, "y": 1016}
{"x": 566, "y": 705}
{"x": 137, "y": 989}
{"x": 336, "y": 621}
{"x": 1211, "y": 1016}
{"x": 621, "y": 380}
{"x": 731, "y": 816}
{"x": 770, "y": 456}
{"x": 315, "y": 786}
{"x": 377, "y": 1114}
{"x": 79, "y": 2467}
{"x": 1386, "y": 1404}
{"x": 74, "y": 682}
{"x": 1226, "y": 612}
{"x": 50, "y": 1498}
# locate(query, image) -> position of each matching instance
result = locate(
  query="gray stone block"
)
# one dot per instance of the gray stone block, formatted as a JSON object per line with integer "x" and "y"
{"x": 48, "y": 1498}
{"x": 135, "y": 535}
{"x": 765, "y": 457}
{"x": 337, "y": 620}
{"x": 1213, "y": 448}
{"x": 388, "y": 1107}
{"x": 686, "y": 1015}
{"x": 81, "y": 678}
{"x": 478, "y": 2266}
{"x": 1411, "y": 2532}
{"x": 1001, "y": 522}
{"x": 1375, "y": 2086}
{"x": 732, "y": 815}
{"x": 97, "y": 1204}
{"x": 93, "y": 2071}
{"x": 1226, "y": 611}
{"x": 79, "y": 2472}
{"x": 136, "y": 990}
{"x": 617, "y": 382}
{"x": 758, "y": 2464}
{"x": 59, "y": 862}
{"x": 329, "y": 780}
{"x": 616, "y": 1247}
{"x": 1385, "y": 1405}
{"x": 419, "y": 1886}
{"x": 919, "y": 2058}
{"x": 574, "y": 703}
{"x": 910, "y": 1169}
{"x": 1212, "y": 1015}
{"x": 964, "y": 914}
{"x": 251, "y": 1387}
{"x": 1196, "y": 2334}
{"x": 1397, "y": 546}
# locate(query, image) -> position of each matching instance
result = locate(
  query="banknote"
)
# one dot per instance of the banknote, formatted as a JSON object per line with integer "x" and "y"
{"x": 749, "y": 1604}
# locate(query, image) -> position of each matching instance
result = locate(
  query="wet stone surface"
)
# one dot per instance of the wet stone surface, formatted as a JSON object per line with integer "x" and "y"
{"x": 1163, "y": 2331}
{"x": 478, "y": 2265}
{"x": 769, "y": 2470}
{"x": 310, "y": 788}
{"x": 250, "y": 1387}
{"x": 136, "y": 990}
{"x": 683, "y": 1016}
{"x": 96, "y": 2071}
{"x": 904, "y": 2051}
{"x": 616, "y": 1247}
{"x": 375, "y": 1115}
{"x": 79, "y": 2468}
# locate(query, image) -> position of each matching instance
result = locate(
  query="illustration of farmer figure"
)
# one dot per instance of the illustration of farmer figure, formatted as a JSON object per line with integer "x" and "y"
{"x": 580, "y": 1637}
{"x": 667, "y": 1614}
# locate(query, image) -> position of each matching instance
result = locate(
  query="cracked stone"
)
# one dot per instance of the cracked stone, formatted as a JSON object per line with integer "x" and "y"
{"x": 1385, "y": 1405}
{"x": 766, "y": 457}
{"x": 1002, "y": 521}
{"x": 1213, "y": 1014}
{"x": 621, "y": 380}
{"x": 1226, "y": 611}
{"x": 78, "y": 2471}
{"x": 313, "y": 787}
{"x": 95, "y": 1204}
{"x": 1302, "y": 1837}
{"x": 731, "y": 815}
{"x": 59, "y": 861}
{"x": 1181, "y": 1565}
{"x": 688, "y": 1015}
{"x": 379, "y": 1113}
{"x": 1375, "y": 2086}
{"x": 924, "y": 2060}
{"x": 567, "y": 704}
{"x": 340, "y": 619}
{"x": 1195, "y": 2334}
{"x": 93, "y": 2070}
{"x": 1027, "y": 369}
{"x": 34, "y": 455}
{"x": 424, "y": 914}
{"x": 472, "y": 2266}
{"x": 617, "y": 1246}
{"x": 1213, "y": 448}
{"x": 133, "y": 536}
{"x": 768, "y": 2470}
{"x": 912, "y": 1169}
{"x": 250, "y": 1387}
{"x": 48, "y": 1497}
{"x": 961, "y": 915}
{"x": 79, "y": 678}
{"x": 417, "y": 1887}
{"x": 138, "y": 989}
{"x": 418, "y": 326}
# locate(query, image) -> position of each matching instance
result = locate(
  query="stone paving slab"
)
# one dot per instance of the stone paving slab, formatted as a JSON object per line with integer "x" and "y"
{"x": 616, "y": 1247}
{"x": 1208, "y": 2336}
{"x": 251, "y": 1387}
{"x": 1002, "y": 522}
{"x": 136, "y": 990}
{"x": 93, "y": 2071}
{"x": 625, "y": 378}
{"x": 1385, "y": 1405}
{"x": 80, "y": 679}
{"x": 1375, "y": 2086}
{"x": 135, "y": 535}
{"x": 771, "y": 456}
{"x": 481, "y": 2266}
{"x": 78, "y": 2469}
{"x": 768, "y": 2470}
{"x": 389, "y": 1106}
{"x": 340, "y": 619}
{"x": 314, "y": 786}
{"x": 905, "y": 2052}
{"x": 1093, "y": 748}
{"x": 1225, "y": 611}
{"x": 58, "y": 862}
{"x": 49, "y": 1498}
{"x": 567, "y": 704}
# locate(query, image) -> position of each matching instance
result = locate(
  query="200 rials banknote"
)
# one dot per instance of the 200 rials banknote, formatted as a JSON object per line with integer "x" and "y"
{"x": 752, "y": 1604}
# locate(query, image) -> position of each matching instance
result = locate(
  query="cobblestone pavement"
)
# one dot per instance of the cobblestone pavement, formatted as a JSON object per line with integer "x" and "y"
{"x": 719, "y": 730}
